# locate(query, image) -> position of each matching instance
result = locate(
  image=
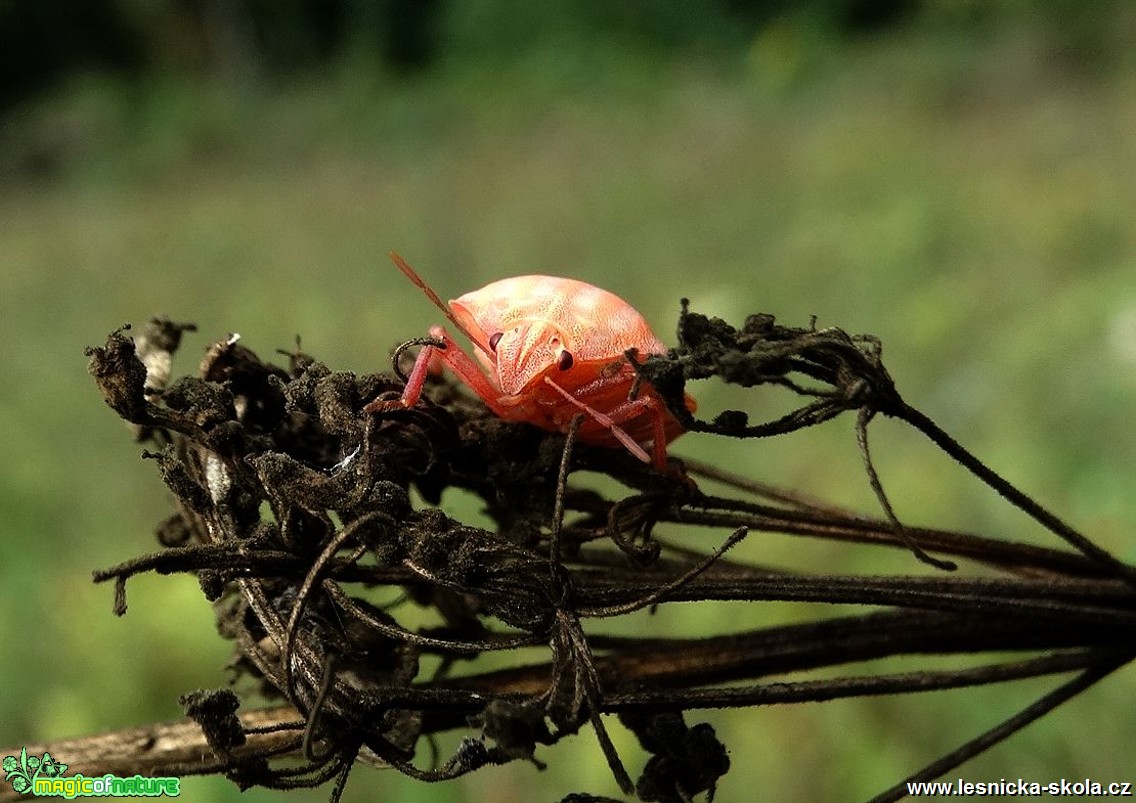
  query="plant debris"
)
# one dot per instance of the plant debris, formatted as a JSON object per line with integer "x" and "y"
{"x": 293, "y": 508}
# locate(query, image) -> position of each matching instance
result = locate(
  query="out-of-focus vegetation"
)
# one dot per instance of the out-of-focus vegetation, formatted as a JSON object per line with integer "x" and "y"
{"x": 954, "y": 176}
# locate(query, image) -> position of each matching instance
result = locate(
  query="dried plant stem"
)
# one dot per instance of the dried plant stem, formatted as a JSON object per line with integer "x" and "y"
{"x": 166, "y": 748}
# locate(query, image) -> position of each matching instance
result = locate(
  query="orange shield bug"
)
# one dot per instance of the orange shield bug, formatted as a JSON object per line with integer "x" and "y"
{"x": 550, "y": 349}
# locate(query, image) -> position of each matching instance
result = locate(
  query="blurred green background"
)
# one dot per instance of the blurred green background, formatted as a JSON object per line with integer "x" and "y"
{"x": 954, "y": 176}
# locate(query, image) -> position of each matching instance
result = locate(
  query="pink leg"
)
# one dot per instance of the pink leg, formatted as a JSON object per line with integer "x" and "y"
{"x": 652, "y": 407}
{"x": 456, "y": 360}
{"x": 607, "y": 421}
{"x": 659, "y": 442}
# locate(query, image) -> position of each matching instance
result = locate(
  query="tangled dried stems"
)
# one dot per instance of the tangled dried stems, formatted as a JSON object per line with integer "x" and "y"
{"x": 293, "y": 509}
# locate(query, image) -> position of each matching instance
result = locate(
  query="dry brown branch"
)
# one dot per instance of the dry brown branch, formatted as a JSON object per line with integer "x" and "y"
{"x": 155, "y": 749}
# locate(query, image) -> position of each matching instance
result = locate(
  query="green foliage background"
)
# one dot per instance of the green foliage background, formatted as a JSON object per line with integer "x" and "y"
{"x": 958, "y": 182}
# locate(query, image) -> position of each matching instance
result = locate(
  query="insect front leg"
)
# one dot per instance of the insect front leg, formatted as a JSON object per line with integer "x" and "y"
{"x": 430, "y": 358}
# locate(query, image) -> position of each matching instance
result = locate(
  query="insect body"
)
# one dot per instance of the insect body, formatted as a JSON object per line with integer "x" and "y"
{"x": 550, "y": 349}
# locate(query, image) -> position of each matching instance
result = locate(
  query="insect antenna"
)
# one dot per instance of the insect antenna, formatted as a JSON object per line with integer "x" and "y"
{"x": 408, "y": 271}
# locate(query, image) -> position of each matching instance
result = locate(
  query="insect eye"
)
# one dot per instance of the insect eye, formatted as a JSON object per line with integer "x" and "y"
{"x": 564, "y": 361}
{"x": 494, "y": 339}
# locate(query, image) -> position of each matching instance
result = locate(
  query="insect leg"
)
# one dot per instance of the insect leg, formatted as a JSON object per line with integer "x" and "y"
{"x": 658, "y": 424}
{"x": 430, "y": 358}
{"x": 417, "y": 379}
{"x": 647, "y": 405}
{"x": 605, "y": 421}
{"x": 466, "y": 369}
{"x": 463, "y": 366}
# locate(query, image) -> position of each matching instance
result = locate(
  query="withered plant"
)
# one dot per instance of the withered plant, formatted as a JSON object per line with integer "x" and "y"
{"x": 293, "y": 509}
